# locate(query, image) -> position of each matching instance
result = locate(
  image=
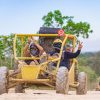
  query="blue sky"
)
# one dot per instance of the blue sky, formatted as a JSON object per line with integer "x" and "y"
{"x": 25, "y": 16}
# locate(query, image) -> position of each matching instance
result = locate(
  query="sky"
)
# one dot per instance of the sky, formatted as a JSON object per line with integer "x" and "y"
{"x": 25, "y": 16}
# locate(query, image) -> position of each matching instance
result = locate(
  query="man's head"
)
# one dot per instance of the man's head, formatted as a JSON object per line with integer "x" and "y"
{"x": 57, "y": 44}
{"x": 68, "y": 48}
{"x": 34, "y": 51}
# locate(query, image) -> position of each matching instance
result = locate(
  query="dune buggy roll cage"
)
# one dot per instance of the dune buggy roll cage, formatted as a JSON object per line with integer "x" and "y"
{"x": 66, "y": 36}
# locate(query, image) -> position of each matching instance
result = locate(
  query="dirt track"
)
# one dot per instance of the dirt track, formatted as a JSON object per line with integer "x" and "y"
{"x": 49, "y": 95}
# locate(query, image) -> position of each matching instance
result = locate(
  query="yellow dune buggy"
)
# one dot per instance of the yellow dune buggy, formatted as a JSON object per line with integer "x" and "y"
{"x": 60, "y": 78}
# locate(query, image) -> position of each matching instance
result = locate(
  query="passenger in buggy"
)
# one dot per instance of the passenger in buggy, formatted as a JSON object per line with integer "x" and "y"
{"x": 32, "y": 48}
{"x": 67, "y": 54}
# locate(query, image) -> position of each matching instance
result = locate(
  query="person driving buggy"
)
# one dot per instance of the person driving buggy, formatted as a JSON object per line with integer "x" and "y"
{"x": 67, "y": 54}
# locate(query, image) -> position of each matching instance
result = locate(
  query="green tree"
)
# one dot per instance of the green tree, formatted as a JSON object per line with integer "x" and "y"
{"x": 56, "y": 19}
{"x": 6, "y": 49}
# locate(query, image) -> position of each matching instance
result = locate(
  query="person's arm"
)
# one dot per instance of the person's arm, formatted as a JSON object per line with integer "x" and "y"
{"x": 38, "y": 46}
{"x": 74, "y": 55}
{"x": 40, "y": 49}
{"x": 26, "y": 47}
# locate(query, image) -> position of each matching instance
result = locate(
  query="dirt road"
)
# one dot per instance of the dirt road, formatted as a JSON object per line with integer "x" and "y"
{"x": 49, "y": 95}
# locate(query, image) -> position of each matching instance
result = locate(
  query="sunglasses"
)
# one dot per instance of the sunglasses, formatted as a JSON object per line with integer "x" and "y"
{"x": 58, "y": 45}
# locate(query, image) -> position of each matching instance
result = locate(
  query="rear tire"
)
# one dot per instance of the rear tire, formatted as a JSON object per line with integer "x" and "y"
{"x": 3, "y": 79}
{"x": 82, "y": 88}
{"x": 62, "y": 80}
{"x": 19, "y": 88}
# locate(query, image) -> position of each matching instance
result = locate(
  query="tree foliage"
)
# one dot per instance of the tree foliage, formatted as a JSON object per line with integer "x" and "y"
{"x": 6, "y": 50}
{"x": 56, "y": 19}
{"x": 92, "y": 60}
{"x": 6, "y": 45}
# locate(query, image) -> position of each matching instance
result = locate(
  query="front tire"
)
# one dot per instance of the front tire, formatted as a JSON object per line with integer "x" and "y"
{"x": 3, "y": 79}
{"x": 82, "y": 88}
{"x": 62, "y": 80}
